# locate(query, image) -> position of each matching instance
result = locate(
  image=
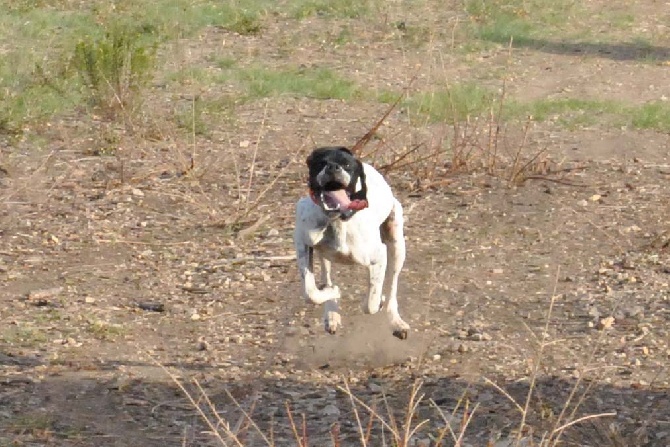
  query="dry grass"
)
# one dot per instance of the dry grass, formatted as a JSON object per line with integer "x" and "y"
{"x": 408, "y": 426}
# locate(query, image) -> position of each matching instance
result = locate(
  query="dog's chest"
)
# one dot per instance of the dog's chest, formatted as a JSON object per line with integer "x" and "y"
{"x": 338, "y": 241}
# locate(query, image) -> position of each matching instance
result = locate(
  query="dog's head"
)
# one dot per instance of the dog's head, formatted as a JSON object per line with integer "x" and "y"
{"x": 337, "y": 181}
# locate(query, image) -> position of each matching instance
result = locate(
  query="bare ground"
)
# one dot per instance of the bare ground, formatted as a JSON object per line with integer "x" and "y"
{"x": 87, "y": 242}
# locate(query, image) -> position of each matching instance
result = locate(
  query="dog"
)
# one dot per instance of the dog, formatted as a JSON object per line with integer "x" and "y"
{"x": 350, "y": 217}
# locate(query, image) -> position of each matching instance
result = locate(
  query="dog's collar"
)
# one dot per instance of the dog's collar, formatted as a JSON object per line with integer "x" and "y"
{"x": 360, "y": 204}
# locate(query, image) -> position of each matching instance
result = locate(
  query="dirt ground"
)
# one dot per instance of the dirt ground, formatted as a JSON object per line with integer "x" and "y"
{"x": 115, "y": 270}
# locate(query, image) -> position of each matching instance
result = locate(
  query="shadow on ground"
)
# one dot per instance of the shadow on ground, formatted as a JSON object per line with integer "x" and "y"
{"x": 621, "y": 51}
{"x": 81, "y": 406}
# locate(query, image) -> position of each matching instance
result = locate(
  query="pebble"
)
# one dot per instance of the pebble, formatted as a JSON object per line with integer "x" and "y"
{"x": 422, "y": 442}
{"x": 374, "y": 387}
{"x": 273, "y": 233}
{"x": 43, "y": 294}
{"x": 331, "y": 410}
{"x": 202, "y": 345}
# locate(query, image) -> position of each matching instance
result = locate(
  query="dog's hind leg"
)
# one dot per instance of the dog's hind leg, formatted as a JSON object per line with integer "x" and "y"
{"x": 331, "y": 311}
{"x": 376, "y": 269}
{"x": 310, "y": 291}
{"x": 394, "y": 238}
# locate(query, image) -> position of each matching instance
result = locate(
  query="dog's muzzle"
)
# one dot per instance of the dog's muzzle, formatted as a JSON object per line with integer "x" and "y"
{"x": 338, "y": 202}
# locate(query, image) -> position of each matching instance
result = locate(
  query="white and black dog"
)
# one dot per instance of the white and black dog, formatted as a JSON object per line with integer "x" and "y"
{"x": 350, "y": 217}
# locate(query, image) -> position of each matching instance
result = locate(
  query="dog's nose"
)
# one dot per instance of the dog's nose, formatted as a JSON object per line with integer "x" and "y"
{"x": 332, "y": 168}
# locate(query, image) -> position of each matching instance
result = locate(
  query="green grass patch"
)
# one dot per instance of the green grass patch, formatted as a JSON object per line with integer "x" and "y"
{"x": 103, "y": 330}
{"x": 35, "y": 75}
{"x": 23, "y": 336}
{"x": 226, "y": 63}
{"x": 520, "y": 21}
{"x": 60, "y": 56}
{"x": 318, "y": 83}
{"x": 499, "y": 20}
{"x": 349, "y": 9}
{"x": 463, "y": 101}
{"x": 653, "y": 115}
{"x": 116, "y": 67}
{"x": 191, "y": 75}
{"x": 201, "y": 115}
{"x": 454, "y": 104}
{"x": 544, "y": 109}
{"x": 184, "y": 18}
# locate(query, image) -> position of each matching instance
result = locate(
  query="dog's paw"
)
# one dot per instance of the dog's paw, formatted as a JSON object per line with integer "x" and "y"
{"x": 400, "y": 329}
{"x": 333, "y": 291}
{"x": 401, "y": 334}
{"x": 332, "y": 321}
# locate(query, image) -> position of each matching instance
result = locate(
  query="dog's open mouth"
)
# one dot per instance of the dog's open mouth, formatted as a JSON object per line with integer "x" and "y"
{"x": 337, "y": 200}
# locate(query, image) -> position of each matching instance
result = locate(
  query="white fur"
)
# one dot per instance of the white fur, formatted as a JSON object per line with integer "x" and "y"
{"x": 355, "y": 241}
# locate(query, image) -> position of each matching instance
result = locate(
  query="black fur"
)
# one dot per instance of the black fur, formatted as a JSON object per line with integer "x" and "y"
{"x": 343, "y": 157}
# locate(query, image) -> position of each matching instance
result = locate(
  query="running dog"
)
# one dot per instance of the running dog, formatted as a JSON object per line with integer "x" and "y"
{"x": 350, "y": 217}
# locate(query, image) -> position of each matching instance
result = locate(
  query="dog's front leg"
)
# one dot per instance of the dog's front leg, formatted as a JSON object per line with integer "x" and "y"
{"x": 310, "y": 290}
{"x": 331, "y": 311}
{"x": 376, "y": 268}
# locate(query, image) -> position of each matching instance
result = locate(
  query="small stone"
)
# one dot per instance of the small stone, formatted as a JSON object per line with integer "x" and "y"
{"x": 462, "y": 348}
{"x": 374, "y": 387}
{"x": 245, "y": 143}
{"x": 202, "y": 344}
{"x": 595, "y": 197}
{"x": 137, "y": 192}
{"x": 44, "y": 294}
{"x": 583, "y": 203}
{"x": 89, "y": 300}
{"x": 273, "y": 233}
{"x": 152, "y": 307}
{"x": 497, "y": 271}
{"x": 331, "y": 410}
{"x": 606, "y": 323}
{"x": 483, "y": 336}
{"x": 195, "y": 316}
{"x": 436, "y": 357}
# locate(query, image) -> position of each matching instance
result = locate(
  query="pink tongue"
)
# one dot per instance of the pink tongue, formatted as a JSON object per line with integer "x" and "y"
{"x": 338, "y": 197}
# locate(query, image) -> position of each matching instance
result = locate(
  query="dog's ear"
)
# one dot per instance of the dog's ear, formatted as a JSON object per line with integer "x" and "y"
{"x": 344, "y": 149}
{"x": 360, "y": 187}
